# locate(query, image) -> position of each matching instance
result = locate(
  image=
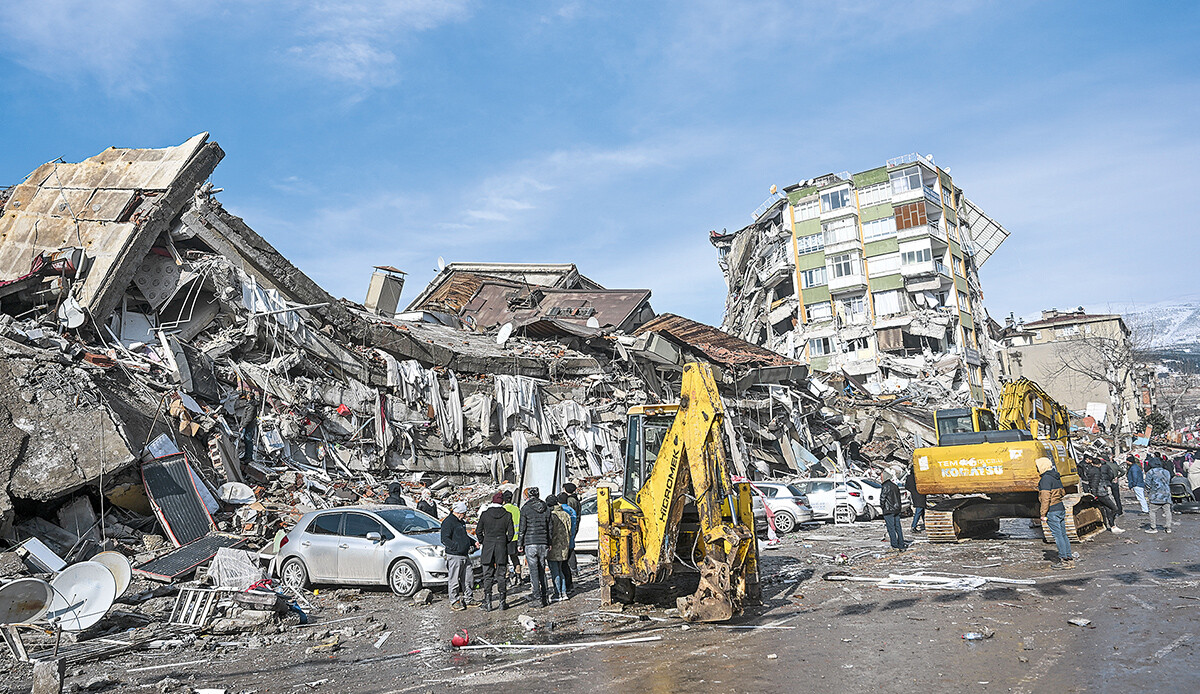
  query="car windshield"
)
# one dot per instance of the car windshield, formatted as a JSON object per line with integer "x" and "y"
{"x": 409, "y": 521}
{"x": 872, "y": 483}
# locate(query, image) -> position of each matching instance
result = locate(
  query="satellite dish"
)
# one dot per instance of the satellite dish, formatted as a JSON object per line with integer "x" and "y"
{"x": 236, "y": 493}
{"x": 441, "y": 263}
{"x": 24, "y": 600}
{"x": 70, "y": 314}
{"x": 118, "y": 564}
{"x": 504, "y": 334}
{"x": 82, "y": 595}
{"x": 593, "y": 323}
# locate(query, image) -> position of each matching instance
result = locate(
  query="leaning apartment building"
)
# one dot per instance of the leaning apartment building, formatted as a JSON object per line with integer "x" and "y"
{"x": 873, "y": 276}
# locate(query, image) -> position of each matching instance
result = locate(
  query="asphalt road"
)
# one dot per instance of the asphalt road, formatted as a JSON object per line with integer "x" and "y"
{"x": 1141, "y": 593}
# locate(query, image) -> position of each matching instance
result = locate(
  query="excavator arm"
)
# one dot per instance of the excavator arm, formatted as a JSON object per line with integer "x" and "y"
{"x": 638, "y": 539}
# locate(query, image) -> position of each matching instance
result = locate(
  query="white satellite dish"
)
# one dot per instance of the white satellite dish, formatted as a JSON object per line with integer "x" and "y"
{"x": 504, "y": 334}
{"x": 82, "y": 595}
{"x": 24, "y": 600}
{"x": 441, "y": 263}
{"x": 593, "y": 323}
{"x": 118, "y": 564}
{"x": 236, "y": 493}
{"x": 70, "y": 314}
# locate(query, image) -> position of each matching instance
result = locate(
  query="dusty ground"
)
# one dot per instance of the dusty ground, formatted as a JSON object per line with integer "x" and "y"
{"x": 1142, "y": 593}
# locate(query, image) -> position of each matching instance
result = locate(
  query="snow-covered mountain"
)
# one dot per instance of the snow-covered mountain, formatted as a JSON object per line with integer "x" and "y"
{"x": 1172, "y": 323}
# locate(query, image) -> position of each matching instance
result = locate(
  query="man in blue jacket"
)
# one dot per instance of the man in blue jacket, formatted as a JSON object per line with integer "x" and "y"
{"x": 1158, "y": 489}
{"x": 1136, "y": 478}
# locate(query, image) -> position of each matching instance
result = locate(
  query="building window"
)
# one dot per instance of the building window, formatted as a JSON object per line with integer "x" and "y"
{"x": 887, "y": 303}
{"x": 883, "y": 264}
{"x": 840, "y": 230}
{"x": 976, "y": 376}
{"x": 835, "y": 200}
{"x": 906, "y": 180}
{"x": 807, "y": 209}
{"x": 818, "y": 346}
{"x": 855, "y": 306}
{"x": 874, "y": 195}
{"x": 1068, "y": 331}
{"x": 921, "y": 255}
{"x": 844, "y": 265}
{"x": 962, "y": 301}
{"x": 819, "y": 311}
{"x": 813, "y": 278}
{"x": 952, "y": 231}
{"x": 879, "y": 228}
{"x": 857, "y": 344}
{"x": 958, "y": 266}
{"x": 810, "y": 244}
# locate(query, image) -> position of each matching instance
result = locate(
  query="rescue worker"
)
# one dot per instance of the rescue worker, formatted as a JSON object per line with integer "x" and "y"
{"x": 1096, "y": 483}
{"x": 495, "y": 531}
{"x": 1135, "y": 477}
{"x": 1053, "y": 513}
{"x": 514, "y": 559}
{"x": 1158, "y": 491}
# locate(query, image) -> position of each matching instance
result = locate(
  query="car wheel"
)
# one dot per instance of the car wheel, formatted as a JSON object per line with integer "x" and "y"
{"x": 784, "y": 522}
{"x": 869, "y": 512}
{"x": 293, "y": 574}
{"x": 843, "y": 514}
{"x": 404, "y": 578}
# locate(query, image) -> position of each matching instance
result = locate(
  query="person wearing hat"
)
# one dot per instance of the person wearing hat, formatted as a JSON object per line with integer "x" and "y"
{"x": 1053, "y": 513}
{"x": 458, "y": 546}
{"x": 890, "y": 504}
{"x": 534, "y": 538}
{"x": 494, "y": 530}
{"x": 571, "y": 504}
{"x": 560, "y": 545}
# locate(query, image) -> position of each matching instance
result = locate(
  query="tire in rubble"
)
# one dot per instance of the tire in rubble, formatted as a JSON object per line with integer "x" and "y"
{"x": 844, "y": 514}
{"x": 784, "y": 522}
{"x": 404, "y": 578}
{"x": 294, "y": 574}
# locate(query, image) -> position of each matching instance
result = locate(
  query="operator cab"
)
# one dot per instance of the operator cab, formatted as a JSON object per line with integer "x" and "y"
{"x": 969, "y": 425}
{"x": 648, "y": 427}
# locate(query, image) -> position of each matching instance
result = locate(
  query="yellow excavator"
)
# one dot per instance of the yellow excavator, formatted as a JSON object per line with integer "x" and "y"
{"x": 982, "y": 468}
{"x": 680, "y": 508}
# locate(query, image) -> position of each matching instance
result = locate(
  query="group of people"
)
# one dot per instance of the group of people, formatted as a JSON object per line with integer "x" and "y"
{"x": 1150, "y": 481}
{"x": 543, "y": 529}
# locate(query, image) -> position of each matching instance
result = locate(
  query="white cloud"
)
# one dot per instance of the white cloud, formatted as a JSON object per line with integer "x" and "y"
{"x": 356, "y": 41}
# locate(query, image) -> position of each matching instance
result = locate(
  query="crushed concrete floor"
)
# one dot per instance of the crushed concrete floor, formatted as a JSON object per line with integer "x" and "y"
{"x": 1140, "y": 592}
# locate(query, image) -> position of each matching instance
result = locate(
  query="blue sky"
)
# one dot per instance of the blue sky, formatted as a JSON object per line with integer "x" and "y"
{"x": 616, "y": 134}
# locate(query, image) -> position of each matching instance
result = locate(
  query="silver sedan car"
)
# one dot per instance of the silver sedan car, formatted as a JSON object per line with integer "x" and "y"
{"x": 395, "y": 546}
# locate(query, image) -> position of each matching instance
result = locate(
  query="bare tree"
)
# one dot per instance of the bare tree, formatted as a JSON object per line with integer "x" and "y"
{"x": 1114, "y": 358}
{"x": 1183, "y": 380}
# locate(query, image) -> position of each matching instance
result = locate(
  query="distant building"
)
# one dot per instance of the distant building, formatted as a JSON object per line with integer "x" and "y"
{"x": 874, "y": 275}
{"x": 1036, "y": 350}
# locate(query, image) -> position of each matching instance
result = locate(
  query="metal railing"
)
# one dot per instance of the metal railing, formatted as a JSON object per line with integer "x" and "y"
{"x": 909, "y": 159}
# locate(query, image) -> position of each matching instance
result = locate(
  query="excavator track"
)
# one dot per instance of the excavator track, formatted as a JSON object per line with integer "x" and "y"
{"x": 942, "y": 526}
{"x": 1084, "y": 519}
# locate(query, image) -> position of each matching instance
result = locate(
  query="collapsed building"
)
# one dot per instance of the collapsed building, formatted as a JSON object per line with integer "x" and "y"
{"x": 140, "y": 321}
{"x": 872, "y": 276}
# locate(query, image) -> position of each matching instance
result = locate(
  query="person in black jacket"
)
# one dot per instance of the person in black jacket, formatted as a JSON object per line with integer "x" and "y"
{"x": 426, "y": 505}
{"x": 890, "y": 504}
{"x": 534, "y": 537}
{"x": 1096, "y": 482}
{"x": 458, "y": 546}
{"x": 494, "y": 530}
{"x": 918, "y": 500}
{"x": 393, "y": 497}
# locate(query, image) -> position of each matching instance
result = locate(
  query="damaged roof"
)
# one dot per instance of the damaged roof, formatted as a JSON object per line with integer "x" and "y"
{"x": 113, "y": 205}
{"x": 717, "y": 345}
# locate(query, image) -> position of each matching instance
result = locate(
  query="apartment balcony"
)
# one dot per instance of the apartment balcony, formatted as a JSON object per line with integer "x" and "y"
{"x": 919, "y": 269}
{"x": 932, "y": 195}
{"x": 840, "y": 212}
{"x": 942, "y": 269}
{"x": 837, "y": 284}
{"x": 842, "y": 246}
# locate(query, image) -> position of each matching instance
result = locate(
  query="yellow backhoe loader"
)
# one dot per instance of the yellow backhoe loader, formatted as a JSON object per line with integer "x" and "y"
{"x": 679, "y": 508}
{"x": 983, "y": 470}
